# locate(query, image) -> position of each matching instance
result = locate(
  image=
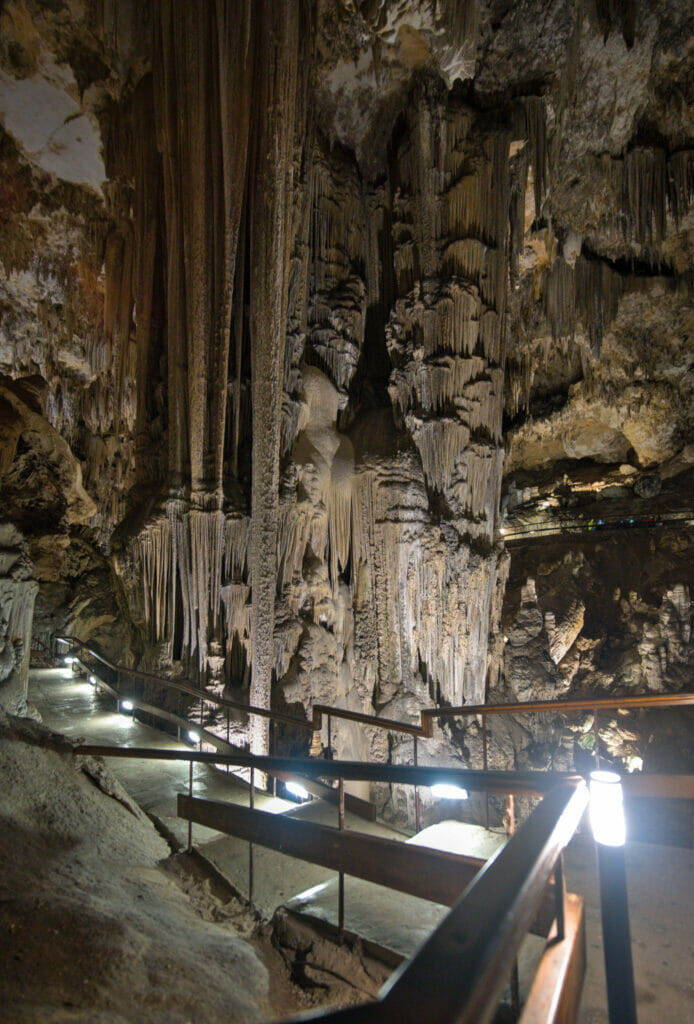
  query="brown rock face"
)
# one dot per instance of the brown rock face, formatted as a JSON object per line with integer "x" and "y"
{"x": 303, "y": 305}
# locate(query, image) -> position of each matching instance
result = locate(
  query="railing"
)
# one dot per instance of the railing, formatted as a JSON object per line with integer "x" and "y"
{"x": 38, "y": 647}
{"x": 121, "y": 672}
{"x": 568, "y": 524}
{"x": 460, "y": 971}
{"x": 424, "y": 729}
{"x": 562, "y": 965}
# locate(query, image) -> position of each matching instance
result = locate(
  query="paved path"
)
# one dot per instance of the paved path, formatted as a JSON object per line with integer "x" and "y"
{"x": 661, "y": 879}
{"x": 68, "y": 704}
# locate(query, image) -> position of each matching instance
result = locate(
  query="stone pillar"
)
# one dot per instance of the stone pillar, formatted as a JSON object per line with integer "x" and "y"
{"x": 18, "y": 592}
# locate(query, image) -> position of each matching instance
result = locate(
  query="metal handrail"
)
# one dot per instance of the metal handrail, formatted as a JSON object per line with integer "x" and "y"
{"x": 190, "y": 691}
{"x": 531, "y": 783}
{"x": 424, "y": 729}
{"x": 460, "y": 971}
{"x": 567, "y": 524}
{"x": 40, "y": 647}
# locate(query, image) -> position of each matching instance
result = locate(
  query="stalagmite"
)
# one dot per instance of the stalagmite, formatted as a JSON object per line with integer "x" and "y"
{"x": 18, "y": 590}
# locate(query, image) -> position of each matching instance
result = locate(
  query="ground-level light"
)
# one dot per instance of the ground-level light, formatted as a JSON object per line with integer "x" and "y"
{"x": 607, "y": 809}
{"x": 446, "y": 791}
{"x": 193, "y": 736}
{"x": 297, "y": 790}
{"x": 127, "y": 705}
{"x": 609, "y": 830}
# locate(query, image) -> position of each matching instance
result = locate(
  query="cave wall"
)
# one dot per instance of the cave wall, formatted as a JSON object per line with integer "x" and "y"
{"x": 303, "y": 305}
{"x": 609, "y": 613}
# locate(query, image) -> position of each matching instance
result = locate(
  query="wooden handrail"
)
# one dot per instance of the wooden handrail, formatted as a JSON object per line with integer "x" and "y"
{"x": 460, "y": 971}
{"x": 573, "y": 704}
{"x": 416, "y": 870}
{"x": 555, "y": 993}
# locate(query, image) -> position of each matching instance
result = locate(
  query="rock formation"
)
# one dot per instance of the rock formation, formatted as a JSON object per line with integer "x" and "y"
{"x": 17, "y": 595}
{"x": 303, "y": 304}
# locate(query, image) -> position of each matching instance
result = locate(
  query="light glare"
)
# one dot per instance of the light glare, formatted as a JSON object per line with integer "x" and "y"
{"x": 446, "y": 791}
{"x": 127, "y": 705}
{"x": 193, "y": 736}
{"x": 296, "y": 789}
{"x": 607, "y": 809}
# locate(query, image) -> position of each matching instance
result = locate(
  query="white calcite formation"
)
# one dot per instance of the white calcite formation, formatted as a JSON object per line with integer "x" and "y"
{"x": 294, "y": 285}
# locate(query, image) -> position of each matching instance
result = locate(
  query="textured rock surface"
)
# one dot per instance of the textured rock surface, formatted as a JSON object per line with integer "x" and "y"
{"x": 17, "y": 595}
{"x": 281, "y": 286}
{"x": 92, "y": 895}
{"x": 631, "y": 636}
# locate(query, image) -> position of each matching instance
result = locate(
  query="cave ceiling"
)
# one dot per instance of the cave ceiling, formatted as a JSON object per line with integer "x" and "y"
{"x": 301, "y": 302}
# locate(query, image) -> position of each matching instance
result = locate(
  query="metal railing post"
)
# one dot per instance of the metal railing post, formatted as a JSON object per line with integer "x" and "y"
{"x": 330, "y": 739}
{"x": 190, "y": 794}
{"x": 251, "y": 803}
{"x": 341, "y": 880}
{"x": 484, "y": 765}
{"x": 596, "y": 738}
{"x": 616, "y": 935}
{"x": 417, "y": 821}
{"x": 515, "y": 989}
{"x": 559, "y": 896}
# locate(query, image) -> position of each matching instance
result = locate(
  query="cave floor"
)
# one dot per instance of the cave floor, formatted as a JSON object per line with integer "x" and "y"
{"x": 660, "y": 878}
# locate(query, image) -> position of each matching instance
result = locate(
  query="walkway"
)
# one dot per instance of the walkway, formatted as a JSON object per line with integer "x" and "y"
{"x": 588, "y": 525}
{"x": 661, "y": 879}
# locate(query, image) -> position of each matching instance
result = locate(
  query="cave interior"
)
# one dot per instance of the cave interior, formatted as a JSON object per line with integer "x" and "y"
{"x": 347, "y": 359}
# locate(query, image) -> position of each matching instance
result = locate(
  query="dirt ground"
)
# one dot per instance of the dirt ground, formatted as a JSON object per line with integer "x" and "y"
{"x": 100, "y": 922}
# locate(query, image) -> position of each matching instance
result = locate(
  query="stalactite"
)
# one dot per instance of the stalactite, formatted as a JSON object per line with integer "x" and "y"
{"x": 647, "y": 185}
{"x": 680, "y": 183}
{"x": 118, "y": 300}
{"x": 202, "y": 553}
{"x": 202, "y": 92}
{"x": 464, "y": 195}
{"x": 645, "y": 193}
{"x": 536, "y": 133}
{"x": 148, "y": 228}
{"x": 431, "y": 597}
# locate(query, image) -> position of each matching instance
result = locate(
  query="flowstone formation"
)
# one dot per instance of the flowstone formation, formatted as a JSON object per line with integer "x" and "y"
{"x": 303, "y": 304}
{"x": 366, "y": 572}
{"x": 17, "y": 595}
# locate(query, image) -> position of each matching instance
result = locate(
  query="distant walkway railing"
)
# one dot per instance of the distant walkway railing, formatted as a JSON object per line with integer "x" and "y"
{"x": 562, "y": 523}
